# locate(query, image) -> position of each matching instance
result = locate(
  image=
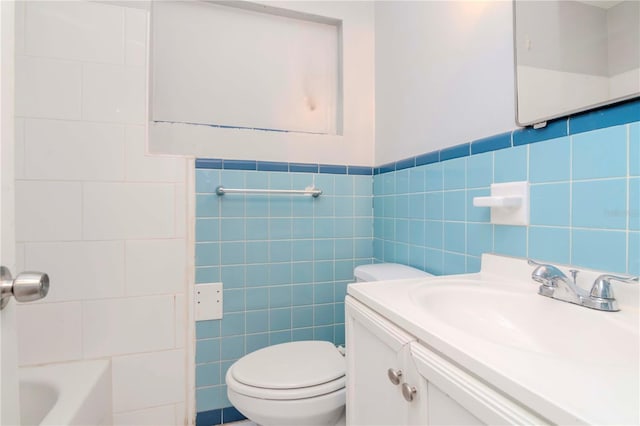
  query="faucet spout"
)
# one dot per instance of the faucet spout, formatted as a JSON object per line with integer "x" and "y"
{"x": 548, "y": 275}
{"x": 556, "y": 284}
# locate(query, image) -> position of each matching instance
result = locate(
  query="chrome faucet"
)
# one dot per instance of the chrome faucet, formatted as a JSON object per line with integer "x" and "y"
{"x": 555, "y": 284}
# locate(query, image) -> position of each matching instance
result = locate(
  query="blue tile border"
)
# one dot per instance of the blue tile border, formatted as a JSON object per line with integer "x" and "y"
{"x": 406, "y": 163}
{"x": 327, "y": 168}
{"x": 622, "y": 113}
{"x": 492, "y": 143}
{"x": 303, "y": 168}
{"x": 360, "y": 170}
{"x": 219, "y": 416}
{"x": 231, "y": 414}
{"x": 209, "y": 418}
{"x": 458, "y": 151}
{"x": 612, "y": 115}
{"x": 269, "y": 166}
{"x": 385, "y": 168}
{"x": 276, "y": 166}
{"x": 239, "y": 165}
{"x": 208, "y": 163}
{"x": 553, "y": 129}
{"x": 428, "y": 158}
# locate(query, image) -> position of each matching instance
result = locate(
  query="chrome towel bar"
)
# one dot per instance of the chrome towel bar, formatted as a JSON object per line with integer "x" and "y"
{"x": 310, "y": 190}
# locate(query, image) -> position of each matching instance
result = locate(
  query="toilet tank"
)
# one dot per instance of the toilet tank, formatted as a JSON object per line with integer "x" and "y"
{"x": 387, "y": 271}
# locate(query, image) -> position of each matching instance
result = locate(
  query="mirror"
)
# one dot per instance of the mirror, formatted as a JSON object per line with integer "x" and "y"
{"x": 574, "y": 55}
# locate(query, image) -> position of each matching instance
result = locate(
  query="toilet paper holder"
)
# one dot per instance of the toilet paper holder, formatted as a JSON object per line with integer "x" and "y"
{"x": 509, "y": 203}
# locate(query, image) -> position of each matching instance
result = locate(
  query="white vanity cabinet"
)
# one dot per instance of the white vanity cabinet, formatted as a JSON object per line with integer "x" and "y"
{"x": 430, "y": 390}
{"x": 378, "y": 366}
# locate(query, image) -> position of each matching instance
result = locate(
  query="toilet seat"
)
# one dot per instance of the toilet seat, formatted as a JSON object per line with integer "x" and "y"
{"x": 294, "y": 370}
{"x": 284, "y": 394}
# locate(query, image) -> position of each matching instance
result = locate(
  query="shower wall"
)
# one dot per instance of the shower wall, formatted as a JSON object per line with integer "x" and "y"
{"x": 105, "y": 219}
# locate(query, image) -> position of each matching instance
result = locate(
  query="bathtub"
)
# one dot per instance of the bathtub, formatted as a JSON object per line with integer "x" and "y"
{"x": 76, "y": 393}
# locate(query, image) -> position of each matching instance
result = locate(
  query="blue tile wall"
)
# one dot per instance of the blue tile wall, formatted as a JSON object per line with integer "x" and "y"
{"x": 284, "y": 261}
{"x": 585, "y": 200}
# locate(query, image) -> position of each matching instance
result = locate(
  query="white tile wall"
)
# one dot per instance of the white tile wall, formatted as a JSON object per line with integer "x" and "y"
{"x": 128, "y": 325}
{"x": 84, "y": 31}
{"x": 156, "y": 416}
{"x": 182, "y": 198}
{"x": 20, "y": 257}
{"x": 136, "y": 41}
{"x": 48, "y": 88}
{"x": 98, "y": 150}
{"x": 19, "y": 148}
{"x": 79, "y": 270}
{"x": 113, "y": 93}
{"x": 147, "y": 380}
{"x": 181, "y": 320}
{"x": 147, "y": 168}
{"x": 48, "y": 211}
{"x": 147, "y": 270}
{"x": 19, "y": 29}
{"x": 103, "y": 218}
{"x": 128, "y": 210}
{"x": 180, "y": 418}
{"x": 49, "y": 332}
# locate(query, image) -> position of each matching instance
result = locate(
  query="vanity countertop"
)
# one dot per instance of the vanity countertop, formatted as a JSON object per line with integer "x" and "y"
{"x": 567, "y": 363}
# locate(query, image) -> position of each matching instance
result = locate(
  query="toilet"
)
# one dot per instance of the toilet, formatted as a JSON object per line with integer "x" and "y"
{"x": 300, "y": 383}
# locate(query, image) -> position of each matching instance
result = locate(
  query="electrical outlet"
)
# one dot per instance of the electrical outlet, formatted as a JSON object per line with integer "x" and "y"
{"x": 208, "y": 301}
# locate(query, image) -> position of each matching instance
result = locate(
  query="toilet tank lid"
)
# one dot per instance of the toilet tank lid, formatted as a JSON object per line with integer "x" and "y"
{"x": 387, "y": 271}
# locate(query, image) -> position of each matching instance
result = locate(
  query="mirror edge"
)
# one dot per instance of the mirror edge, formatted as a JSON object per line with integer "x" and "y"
{"x": 543, "y": 121}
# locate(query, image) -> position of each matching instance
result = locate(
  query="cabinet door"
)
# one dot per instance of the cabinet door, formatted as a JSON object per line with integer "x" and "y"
{"x": 457, "y": 398}
{"x": 445, "y": 411}
{"x": 374, "y": 346}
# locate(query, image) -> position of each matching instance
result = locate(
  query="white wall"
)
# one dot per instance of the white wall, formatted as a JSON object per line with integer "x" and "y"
{"x": 353, "y": 147}
{"x": 444, "y": 75}
{"x": 224, "y": 65}
{"x": 103, "y": 218}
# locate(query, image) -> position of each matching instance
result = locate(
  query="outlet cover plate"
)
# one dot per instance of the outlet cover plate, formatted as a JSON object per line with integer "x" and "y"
{"x": 208, "y": 301}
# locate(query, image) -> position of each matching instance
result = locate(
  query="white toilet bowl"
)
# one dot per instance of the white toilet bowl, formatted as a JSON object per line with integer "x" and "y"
{"x": 291, "y": 384}
{"x": 300, "y": 383}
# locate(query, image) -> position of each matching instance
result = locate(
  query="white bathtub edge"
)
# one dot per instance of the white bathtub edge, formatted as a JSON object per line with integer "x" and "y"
{"x": 84, "y": 389}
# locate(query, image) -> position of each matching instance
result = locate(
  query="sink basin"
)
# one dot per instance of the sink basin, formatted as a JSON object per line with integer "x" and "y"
{"x": 503, "y": 314}
{"x": 568, "y": 363}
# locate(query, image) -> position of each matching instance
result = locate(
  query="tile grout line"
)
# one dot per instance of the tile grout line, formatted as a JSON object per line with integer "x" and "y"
{"x": 628, "y": 201}
{"x": 571, "y": 183}
{"x": 528, "y": 226}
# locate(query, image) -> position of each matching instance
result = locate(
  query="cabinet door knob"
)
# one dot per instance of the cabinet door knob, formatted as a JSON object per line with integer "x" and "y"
{"x": 408, "y": 392}
{"x": 394, "y": 376}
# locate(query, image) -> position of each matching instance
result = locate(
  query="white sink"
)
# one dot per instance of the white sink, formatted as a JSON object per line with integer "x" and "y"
{"x": 569, "y": 363}
{"x": 501, "y": 314}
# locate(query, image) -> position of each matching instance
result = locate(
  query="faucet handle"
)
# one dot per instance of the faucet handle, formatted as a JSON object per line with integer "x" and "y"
{"x": 534, "y": 263}
{"x": 574, "y": 274}
{"x": 602, "y": 287}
